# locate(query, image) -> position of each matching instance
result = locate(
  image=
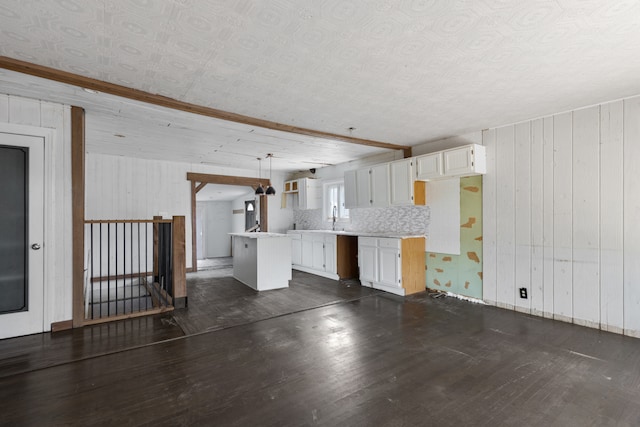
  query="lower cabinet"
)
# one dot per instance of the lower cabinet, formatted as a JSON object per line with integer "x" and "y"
{"x": 392, "y": 264}
{"x": 317, "y": 253}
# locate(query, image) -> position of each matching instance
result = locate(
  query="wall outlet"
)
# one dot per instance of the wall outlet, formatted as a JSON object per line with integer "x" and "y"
{"x": 523, "y": 293}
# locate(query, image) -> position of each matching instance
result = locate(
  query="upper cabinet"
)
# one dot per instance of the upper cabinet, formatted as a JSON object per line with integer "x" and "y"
{"x": 402, "y": 177}
{"x": 429, "y": 166}
{"x": 402, "y": 182}
{"x": 467, "y": 160}
{"x": 306, "y": 191}
{"x": 350, "y": 190}
{"x": 379, "y": 179}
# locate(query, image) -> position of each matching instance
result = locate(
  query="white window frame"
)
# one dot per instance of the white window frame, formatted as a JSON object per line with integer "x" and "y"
{"x": 326, "y": 212}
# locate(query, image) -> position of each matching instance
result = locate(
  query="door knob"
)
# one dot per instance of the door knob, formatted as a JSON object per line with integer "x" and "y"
{"x": 35, "y": 246}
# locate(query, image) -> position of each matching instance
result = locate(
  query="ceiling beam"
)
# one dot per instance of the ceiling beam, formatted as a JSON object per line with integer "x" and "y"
{"x": 163, "y": 101}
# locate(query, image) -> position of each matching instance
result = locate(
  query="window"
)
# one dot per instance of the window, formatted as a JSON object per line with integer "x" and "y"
{"x": 334, "y": 201}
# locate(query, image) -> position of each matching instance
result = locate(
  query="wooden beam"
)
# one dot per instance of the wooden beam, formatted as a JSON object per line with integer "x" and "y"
{"x": 163, "y": 101}
{"x": 200, "y": 186}
{"x": 205, "y": 178}
{"x": 77, "y": 214}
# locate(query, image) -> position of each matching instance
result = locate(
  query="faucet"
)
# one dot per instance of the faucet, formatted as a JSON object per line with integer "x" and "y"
{"x": 335, "y": 208}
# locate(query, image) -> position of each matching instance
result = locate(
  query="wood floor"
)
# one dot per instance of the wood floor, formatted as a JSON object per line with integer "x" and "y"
{"x": 356, "y": 358}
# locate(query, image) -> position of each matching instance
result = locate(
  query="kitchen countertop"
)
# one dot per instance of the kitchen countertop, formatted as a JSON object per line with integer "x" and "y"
{"x": 360, "y": 233}
{"x": 258, "y": 235}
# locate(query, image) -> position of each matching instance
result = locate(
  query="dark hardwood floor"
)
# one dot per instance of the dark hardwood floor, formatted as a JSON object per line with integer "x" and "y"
{"x": 347, "y": 357}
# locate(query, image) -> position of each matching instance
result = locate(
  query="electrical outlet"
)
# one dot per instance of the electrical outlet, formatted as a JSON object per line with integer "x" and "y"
{"x": 523, "y": 293}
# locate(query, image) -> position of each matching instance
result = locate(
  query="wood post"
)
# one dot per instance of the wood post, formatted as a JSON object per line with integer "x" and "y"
{"x": 179, "y": 261}
{"x": 264, "y": 215}
{"x": 77, "y": 213}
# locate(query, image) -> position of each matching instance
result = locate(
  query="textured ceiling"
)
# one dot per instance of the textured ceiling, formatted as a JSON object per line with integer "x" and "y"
{"x": 403, "y": 72}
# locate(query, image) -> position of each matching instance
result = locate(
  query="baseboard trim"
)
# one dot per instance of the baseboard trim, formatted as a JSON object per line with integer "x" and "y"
{"x": 61, "y": 326}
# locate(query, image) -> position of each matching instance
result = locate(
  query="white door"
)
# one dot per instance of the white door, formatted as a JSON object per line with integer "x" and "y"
{"x": 307, "y": 251}
{"x": 296, "y": 250}
{"x": 350, "y": 196}
{"x": 21, "y": 235}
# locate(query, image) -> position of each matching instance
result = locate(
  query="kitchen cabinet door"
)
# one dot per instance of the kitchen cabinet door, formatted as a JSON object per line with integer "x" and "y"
{"x": 389, "y": 267}
{"x": 318, "y": 253}
{"x": 368, "y": 262}
{"x": 380, "y": 185}
{"x": 467, "y": 160}
{"x": 330, "y": 254}
{"x": 401, "y": 182}
{"x": 296, "y": 251}
{"x": 429, "y": 166}
{"x": 350, "y": 195}
{"x": 363, "y": 185}
{"x": 307, "y": 250}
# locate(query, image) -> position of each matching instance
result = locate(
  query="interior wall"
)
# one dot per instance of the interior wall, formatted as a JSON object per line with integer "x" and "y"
{"x": 120, "y": 187}
{"x": 58, "y": 227}
{"x": 561, "y": 204}
{"x": 217, "y": 219}
{"x": 462, "y": 274}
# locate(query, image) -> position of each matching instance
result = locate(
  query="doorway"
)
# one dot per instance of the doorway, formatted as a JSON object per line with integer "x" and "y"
{"x": 21, "y": 235}
{"x": 249, "y": 214}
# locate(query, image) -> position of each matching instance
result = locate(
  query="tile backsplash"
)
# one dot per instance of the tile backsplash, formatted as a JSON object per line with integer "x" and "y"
{"x": 396, "y": 219}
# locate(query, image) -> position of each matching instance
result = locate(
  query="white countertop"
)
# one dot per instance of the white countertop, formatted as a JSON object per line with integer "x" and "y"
{"x": 360, "y": 233}
{"x": 258, "y": 235}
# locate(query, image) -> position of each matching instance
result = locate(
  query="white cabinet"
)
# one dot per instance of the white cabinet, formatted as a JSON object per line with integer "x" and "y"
{"x": 350, "y": 190}
{"x": 392, "y": 264}
{"x": 367, "y": 187}
{"x": 389, "y": 269}
{"x": 363, "y": 188}
{"x": 368, "y": 260}
{"x": 307, "y": 251}
{"x": 402, "y": 178}
{"x": 296, "y": 249}
{"x": 429, "y": 166}
{"x": 330, "y": 254}
{"x": 317, "y": 253}
{"x": 317, "y": 262}
{"x": 467, "y": 160}
{"x": 379, "y": 185}
{"x": 309, "y": 193}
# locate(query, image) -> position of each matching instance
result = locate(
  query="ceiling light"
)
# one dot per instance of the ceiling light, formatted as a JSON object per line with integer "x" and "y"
{"x": 260, "y": 189}
{"x": 270, "y": 190}
{"x": 91, "y": 91}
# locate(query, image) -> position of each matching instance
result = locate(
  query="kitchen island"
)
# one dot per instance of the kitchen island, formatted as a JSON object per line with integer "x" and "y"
{"x": 262, "y": 261}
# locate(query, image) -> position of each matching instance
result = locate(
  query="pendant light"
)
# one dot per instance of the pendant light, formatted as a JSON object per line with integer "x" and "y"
{"x": 260, "y": 189}
{"x": 270, "y": 190}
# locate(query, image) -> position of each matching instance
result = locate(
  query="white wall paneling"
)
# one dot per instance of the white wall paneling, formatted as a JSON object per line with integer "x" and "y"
{"x": 30, "y": 116}
{"x": 631, "y": 215}
{"x": 523, "y": 215}
{"x": 561, "y": 208}
{"x": 537, "y": 217}
{"x": 611, "y": 216}
{"x": 505, "y": 217}
{"x": 585, "y": 220}
{"x": 562, "y": 216}
{"x": 489, "y": 220}
{"x": 548, "y": 227}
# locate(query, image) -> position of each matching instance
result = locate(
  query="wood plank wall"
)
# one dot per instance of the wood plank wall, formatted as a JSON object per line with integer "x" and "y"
{"x": 58, "y": 237}
{"x": 129, "y": 188}
{"x": 561, "y": 214}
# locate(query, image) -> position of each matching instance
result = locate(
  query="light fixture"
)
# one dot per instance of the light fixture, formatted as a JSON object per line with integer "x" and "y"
{"x": 260, "y": 189}
{"x": 270, "y": 190}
